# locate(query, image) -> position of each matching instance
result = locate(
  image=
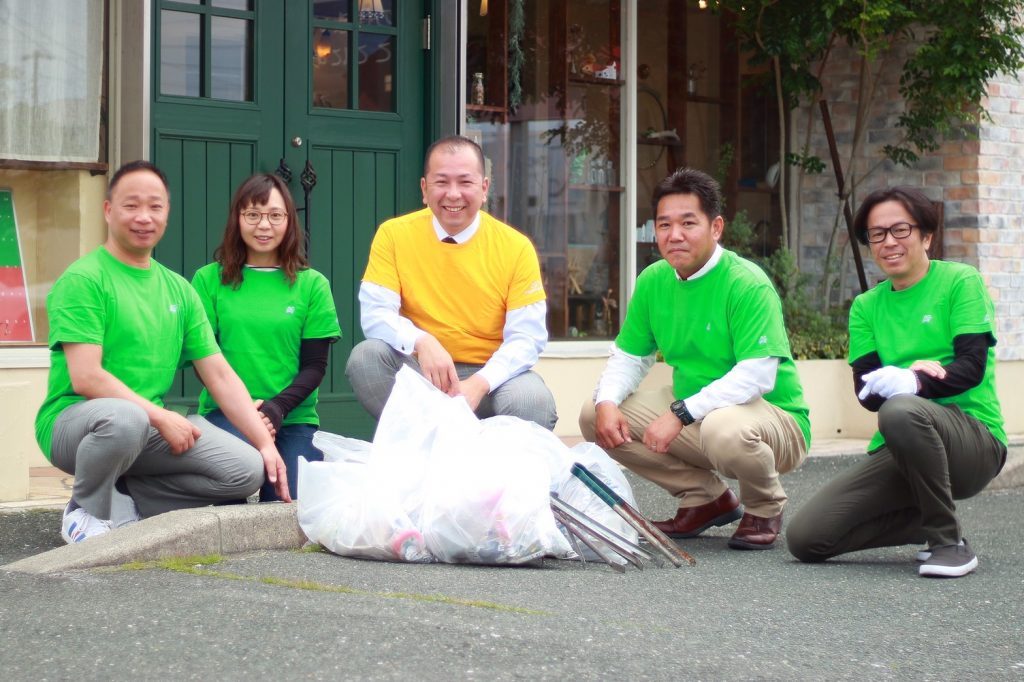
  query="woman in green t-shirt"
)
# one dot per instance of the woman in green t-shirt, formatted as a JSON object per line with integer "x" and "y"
{"x": 923, "y": 357}
{"x": 274, "y": 318}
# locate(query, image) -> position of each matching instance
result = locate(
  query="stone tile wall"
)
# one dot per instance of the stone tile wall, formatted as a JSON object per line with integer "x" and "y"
{"x": 980, "y": 182}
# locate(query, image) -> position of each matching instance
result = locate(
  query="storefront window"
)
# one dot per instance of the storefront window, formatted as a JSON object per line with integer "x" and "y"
{"x": 545, "y": 100}
{"x": 52, "y": 142}
{"x": 47, "y": 218}
{"x": 52, "y": 80}
{"x": 545, "y": 93}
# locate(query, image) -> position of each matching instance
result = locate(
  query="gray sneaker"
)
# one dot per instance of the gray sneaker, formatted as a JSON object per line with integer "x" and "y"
{"x": 949, "y": 561}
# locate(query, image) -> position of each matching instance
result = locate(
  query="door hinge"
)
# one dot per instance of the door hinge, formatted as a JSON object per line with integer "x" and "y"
{"x": 426, "y": 32}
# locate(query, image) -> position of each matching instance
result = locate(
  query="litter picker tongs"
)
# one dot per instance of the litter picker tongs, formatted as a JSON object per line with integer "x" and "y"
{"x": 634, "y": 518}
{"x": 594, "y": 535}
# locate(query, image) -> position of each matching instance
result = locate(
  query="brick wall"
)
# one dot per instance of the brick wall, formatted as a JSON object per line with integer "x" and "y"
{"x": 980, "y": 182}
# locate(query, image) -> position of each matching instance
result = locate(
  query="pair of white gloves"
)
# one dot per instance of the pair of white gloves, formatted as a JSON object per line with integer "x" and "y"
{"x": 889, "y": 381}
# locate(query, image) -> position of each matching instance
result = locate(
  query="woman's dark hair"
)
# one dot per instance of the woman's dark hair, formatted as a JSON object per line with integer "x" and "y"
{"x": 690, "y": 181}
{"x": 231, "y": 254}
{"x": 914, "y": 201}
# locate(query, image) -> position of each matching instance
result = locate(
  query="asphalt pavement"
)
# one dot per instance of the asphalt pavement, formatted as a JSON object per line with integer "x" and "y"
{"x": 735, "y": 615}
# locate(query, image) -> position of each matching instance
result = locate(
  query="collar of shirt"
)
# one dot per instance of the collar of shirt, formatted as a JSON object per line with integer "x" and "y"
{"x": 461, "y": 237}
{"x": 716, "y": 256}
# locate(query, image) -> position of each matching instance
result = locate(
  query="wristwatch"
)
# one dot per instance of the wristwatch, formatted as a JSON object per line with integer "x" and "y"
{"x": 679, "y": 410}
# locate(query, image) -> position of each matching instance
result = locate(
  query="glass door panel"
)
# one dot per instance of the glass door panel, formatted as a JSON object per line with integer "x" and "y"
{"x": 550, "y": 124}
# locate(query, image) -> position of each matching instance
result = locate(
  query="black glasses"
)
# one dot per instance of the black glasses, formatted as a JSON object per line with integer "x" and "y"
{"x": 898, "y": 231}
{"x": 253, "y": 217}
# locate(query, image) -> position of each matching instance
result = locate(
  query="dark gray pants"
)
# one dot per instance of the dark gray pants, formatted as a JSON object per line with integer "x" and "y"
{"x": 101, "y": 440}
{"x": 373, "y": 364}
{"x": 903, "y": 493}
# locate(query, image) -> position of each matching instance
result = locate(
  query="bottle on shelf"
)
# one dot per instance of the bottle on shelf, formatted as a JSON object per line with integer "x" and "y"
{"x": 477, "y": 91}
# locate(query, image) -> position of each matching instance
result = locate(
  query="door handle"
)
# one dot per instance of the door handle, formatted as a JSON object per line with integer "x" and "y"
{"x": 308, "y": 181}
{"x": 283, "y": 171}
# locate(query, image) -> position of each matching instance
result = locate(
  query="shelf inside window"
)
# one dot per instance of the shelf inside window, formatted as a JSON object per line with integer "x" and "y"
{"x": 594, "y": 80}
{"x": 598, "y": 188}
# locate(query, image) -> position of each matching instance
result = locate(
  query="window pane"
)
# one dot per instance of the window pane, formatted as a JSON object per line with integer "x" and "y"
{"x": 550, "y": 130}
{"x": 231, "y": 59}
{"x": 180, "y": 54}
{"x": 43, "y": 223}
{"x": 376, "y": 12}
{"x": 330, "y": 68}
{"x": 335, "y": 10}
{"x": 51, "y": 75}
{"x": 376, "y": 72}
{"x": 244, "y": 5}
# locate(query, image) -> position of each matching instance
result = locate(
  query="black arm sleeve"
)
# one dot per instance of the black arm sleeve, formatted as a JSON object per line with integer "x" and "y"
{"x": 861, "y": 366}
{"x": 312, "y": 367}
{"x": 970, "y": 355}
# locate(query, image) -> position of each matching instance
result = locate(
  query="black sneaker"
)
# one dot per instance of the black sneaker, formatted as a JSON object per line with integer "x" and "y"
{"x": 949, "y": 561}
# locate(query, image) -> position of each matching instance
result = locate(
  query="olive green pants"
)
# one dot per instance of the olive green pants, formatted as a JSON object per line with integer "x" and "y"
{"x": 903, "y": 492}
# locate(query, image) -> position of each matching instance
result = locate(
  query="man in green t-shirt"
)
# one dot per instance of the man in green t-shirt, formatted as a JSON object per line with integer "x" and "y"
{"x": 922, "y": 348}
{"x": 735, "y": 406}
{"x": 121, "y": 325}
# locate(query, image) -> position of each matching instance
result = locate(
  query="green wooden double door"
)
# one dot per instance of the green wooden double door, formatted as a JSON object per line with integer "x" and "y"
{"x": 327, "y": 93}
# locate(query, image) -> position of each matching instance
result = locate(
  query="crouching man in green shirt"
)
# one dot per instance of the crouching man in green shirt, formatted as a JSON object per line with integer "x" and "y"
{"x": 922, "y": 350}
{"x": 121, "y": 325}
{"x": 735, "y": 407}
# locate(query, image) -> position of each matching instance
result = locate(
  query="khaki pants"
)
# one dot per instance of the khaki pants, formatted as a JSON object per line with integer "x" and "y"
{"x": 751, "y": 443}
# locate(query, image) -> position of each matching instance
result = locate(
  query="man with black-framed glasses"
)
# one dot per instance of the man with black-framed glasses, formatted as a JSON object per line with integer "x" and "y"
{"x": 922, "y": 351}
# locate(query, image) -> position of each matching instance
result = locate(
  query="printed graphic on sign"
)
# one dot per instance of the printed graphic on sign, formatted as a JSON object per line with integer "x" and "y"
{"x": 15, "y": 320}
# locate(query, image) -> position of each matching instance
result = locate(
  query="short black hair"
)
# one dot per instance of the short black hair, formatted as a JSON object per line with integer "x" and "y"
{"x": 131, "y": 167}
{"x": 920, "y": 208}
{"x": 690, "y": 181}
{"x": 453, "y": 143}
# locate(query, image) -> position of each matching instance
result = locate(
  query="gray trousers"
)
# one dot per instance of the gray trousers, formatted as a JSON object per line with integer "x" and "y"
{"x": 903, "y": 493}
{"x": 101, "y": 440}
{"x": 373, "y": 364}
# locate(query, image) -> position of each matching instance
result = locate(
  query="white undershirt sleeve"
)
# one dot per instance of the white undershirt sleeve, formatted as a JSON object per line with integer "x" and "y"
{"x": 622, "y": 375}
{"x": 380, "y": 319}
{"x": 524, "y": 338}
{"x": 749, "y": 379}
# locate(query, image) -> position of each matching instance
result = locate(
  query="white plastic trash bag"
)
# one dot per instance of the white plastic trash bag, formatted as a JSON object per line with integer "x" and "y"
{"x": 347, "y": 508}
{"x": 341, "y": 449}
{"x": 435, "y": 486}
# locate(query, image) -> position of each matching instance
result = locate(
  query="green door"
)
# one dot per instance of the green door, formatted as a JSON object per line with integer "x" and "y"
{"x": 327, "y": 95}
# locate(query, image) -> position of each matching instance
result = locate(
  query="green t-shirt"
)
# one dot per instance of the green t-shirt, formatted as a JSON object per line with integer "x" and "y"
{"x": 149, "y": 321}
{"x": 704, "y": 326}
{"x": 260, "y": 326}
{"x": 920, "y": 323}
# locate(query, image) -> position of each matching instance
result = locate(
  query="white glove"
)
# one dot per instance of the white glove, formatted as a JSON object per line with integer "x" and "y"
{"x": 889, "y": 381}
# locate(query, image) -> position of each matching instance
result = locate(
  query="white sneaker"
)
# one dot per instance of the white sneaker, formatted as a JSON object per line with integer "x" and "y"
{"x": 123, "y": 510}
{"x": 923, "y": 555}
{"x": 78, "y": 525}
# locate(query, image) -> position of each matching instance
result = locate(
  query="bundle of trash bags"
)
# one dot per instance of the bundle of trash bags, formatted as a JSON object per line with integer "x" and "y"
{"x": 439, "y": 484}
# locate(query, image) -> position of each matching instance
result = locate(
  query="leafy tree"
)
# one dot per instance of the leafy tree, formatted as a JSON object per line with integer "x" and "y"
{"x": 950, "y": 50}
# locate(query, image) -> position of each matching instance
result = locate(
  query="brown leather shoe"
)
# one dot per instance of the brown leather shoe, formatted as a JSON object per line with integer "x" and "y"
{"x": 756, "y": 532}
{"x": 689, "y": 522}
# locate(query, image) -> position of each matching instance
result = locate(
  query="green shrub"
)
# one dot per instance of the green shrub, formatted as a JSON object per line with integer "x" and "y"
{"x": 813, "y": 334}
